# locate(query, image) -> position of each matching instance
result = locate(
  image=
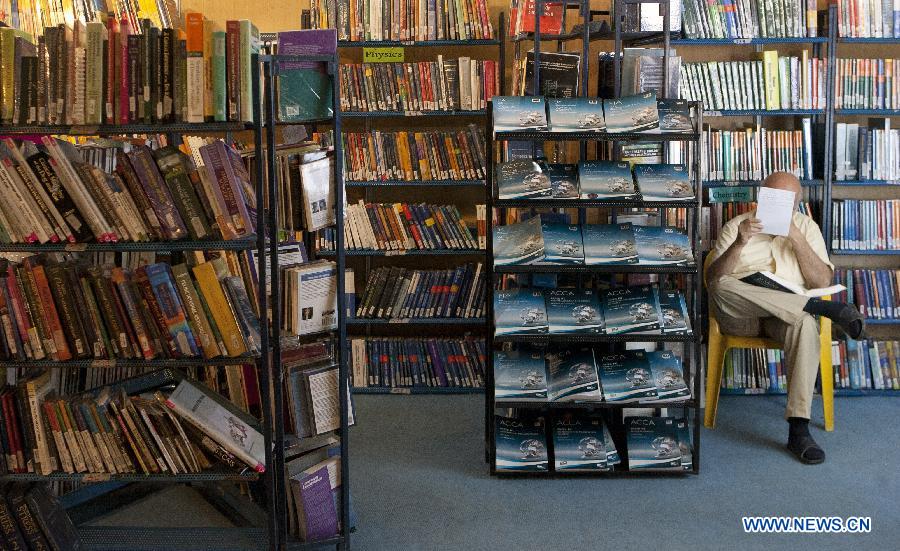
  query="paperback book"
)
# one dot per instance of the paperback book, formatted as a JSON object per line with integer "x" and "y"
{"x": 516, "y": 113}
{"x": 660, "y": 245}
{"x": 675, "y": 317}
{"x": 520, "y": 312}
{"x": 664, "y": 182}
{"x": 573, "y": 311}
{"x": 558, "y": 78}
{"x": 521, "y": 243}
{"x": 575, "y": 115}
{"x": 652, "y": 443}
{"x": 573, "y": 376}
{"x": 579, "y": 443}
{"x": 606, "y": 180}
{"x": 563, "y": 180}
{"x": 668, "y": 376}
{"x": 631, "y": 309}
{"x": 631, "y": 113}
{"x": 522, "y": 179}
{"x": 674, "y": 115}
{"x": 520, "y": 374}
{"x": 304, "y": 88}
{"x": 612, "y": 454}
{"x": 626, "y": 377}
{"x": 562, "y": 244}
{"x": 609, "y": 244}
{"x": 521, "y": 444}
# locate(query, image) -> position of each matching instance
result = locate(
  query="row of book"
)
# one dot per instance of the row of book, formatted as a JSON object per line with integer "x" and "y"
{"x": 534, "y": 242}
{"x": 32, "y": 518}
{"x": 31, "y": 17}
{"x": 537, "y": 179}
{"x": 72, "y": 310}
{"x": 51, "y": 194}
{"x": 403, "y": 20}
{"x": 749, "y": 19}
{"x": 185, "y": 430}
{"x": 867, "y": 152}
{"x": 583, "y": 443}
{"x": 613, "y": 311}
{"x": 865, "y": 225}
{"x": 397, "y": 293}
{"x": 636, "y": 113}
{"x": 415, "y": 156}
{"x": 874, "y": 292}
{"x": 868, "y": 19}
{"x": 752, "y": 153}
{"x": 771, "y": 83}
{"x": 755, "y": 370}
{"x": 714, "y": 216}
{"x": 462, "y": 84}
{"x": 867, "y": 84}
{"x": 115, "y": 73}
{"x": 400, "y": 227}
{"x": 588, "y": 375}
{"x": 417, "y": 363}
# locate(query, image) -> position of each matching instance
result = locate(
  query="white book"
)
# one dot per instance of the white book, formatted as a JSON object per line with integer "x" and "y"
{"x": 772, "y": 281}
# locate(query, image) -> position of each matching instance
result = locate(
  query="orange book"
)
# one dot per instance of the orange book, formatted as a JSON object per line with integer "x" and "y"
{"x": 48, "y": 307}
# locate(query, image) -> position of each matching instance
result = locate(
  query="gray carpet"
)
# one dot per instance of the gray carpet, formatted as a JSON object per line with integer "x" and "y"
{"x": 419, "y": 482}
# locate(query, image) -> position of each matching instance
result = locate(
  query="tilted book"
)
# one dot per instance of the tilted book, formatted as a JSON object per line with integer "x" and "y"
{"x": 631, "y": 309}
{"x": 521, "y": 444}
{"x": 668, "y": 376}
{"x": 609, "y": 244}
{"x": 573, "y": 376}
{"x": 626, "y": 377}
{"x": 578, "y": 442}
{"x": 674, "y": 115}
{"x": 575, "y": 114}
{"x": 562, "y": 244}
{"x": 521, "y": 243}
{"x": 659, "y": 245}
{"x": 522, "y": 179}
{"x": 517, "y": 113}
{"x": 631, "y": 113}
{"x": 574, "y": 311}
{"x": 563, "y": 180}
{"x": 606, "y": 180}
{"x": 664, "y": 182}
{"x": 520, "y": 312}
{"x": 652, "y": 443}
{"x": 520, "y": 374}
{"x": 675, "y": 316}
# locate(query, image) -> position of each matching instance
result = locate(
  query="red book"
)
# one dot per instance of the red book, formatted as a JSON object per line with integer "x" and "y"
{"x": 233, "y": 68}
{"x": 551, "y": 19}
{"x": 124, "y": 80}
{"x": 51, "y": 316}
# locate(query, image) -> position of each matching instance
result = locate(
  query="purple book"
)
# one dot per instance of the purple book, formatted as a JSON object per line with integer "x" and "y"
{"x": 307, "y": 42}
{"x": 160, "y": 198}
{"x": 317, "y": 513}
{"x": 305, "y": 88}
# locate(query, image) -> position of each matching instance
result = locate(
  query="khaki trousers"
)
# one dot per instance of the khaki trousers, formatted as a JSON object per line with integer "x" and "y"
{"x": 784, "y": 320}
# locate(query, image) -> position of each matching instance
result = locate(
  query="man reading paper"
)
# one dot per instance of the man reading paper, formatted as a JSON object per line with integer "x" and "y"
{"x": 744, "y": 309}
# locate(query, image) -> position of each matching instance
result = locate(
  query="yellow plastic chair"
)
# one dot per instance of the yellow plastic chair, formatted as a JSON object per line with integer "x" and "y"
{"x": 719, "y": 344}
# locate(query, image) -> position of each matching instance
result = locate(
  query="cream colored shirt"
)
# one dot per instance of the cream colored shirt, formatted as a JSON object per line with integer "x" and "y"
{"x": 772, "y": 253}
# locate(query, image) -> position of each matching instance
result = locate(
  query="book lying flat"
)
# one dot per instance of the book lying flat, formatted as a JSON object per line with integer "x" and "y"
{"x": 772, "y": 281}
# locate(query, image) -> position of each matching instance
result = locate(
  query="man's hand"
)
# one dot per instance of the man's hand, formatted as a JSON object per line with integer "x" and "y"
{"x": 748, "y": 228}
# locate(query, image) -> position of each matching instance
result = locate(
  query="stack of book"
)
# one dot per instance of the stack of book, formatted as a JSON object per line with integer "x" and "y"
{"x": 874, "y": 292}
{"x": 867, "y": 84}
{"x": 32, "y": 517}
{"x": 400, "y": 20}
{"x": 867, "y": 153}
{"x": 422, "y": 155}
{"x": 771, "y": 83}
{"x": 749, "y": 19}
{"x": 123, "y": 71}
{"x": 755, "y": 370}
{"x": 866, "y": 364}
{"x": 426, "y": 362}
{"x": 463, "y": 84}
{"x": 311, "y": 384}
{"x": 754, "y": 153}
{"x": 865, "y": 225}
{"x": 400, "y": 293}
{"x": 862, "y": 20}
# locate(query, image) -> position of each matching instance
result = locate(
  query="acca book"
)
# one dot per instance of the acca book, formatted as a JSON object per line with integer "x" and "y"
{"x": 575, "y": 115}
{"x": 522, "y": 179}
{"x": 606, "y": 180}
{"x": 516, "y": 113}
{"x": 563, "y": 180}
{"x": 664, "y": 182}
{"x": 520, "y": 374}
{"x": 683, "y": 431}
{"x": 675, "y": 317}
{"x": 612, "y": 454}
{"x": 521, "y": 444}
{"x": 578, "y": 442}
{"x": 609, "y": 244}
{"x": 521, "y": 243}
{"x": 573, "y": 311}
{"x": 668, "y": 376}
{"x": 631, "y": 113}
{"x": 562, "y": 244}
{"x": 626, "y": 376}
{"x": 659, "y": 245}
{"x": 627, "y": 309}
{"x": 652, "y": 444}
{"x": 573, "y": 376}
{"x": 520, "y": 312}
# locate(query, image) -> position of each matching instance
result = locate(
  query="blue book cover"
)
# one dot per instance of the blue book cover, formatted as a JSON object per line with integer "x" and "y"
{"x": 562, "y": 244}
{"x": 520, "y": 374}
{"x": 674, "y": 116}
{"x": 579, "y": 443}
{"x": 659, "y": 245}
{"x": 521, "y": 444}
{"x": 631, "y": 309}
{"x": 668, "y": 375}
{"x": 652, "y": 443}
{"x": 609, "y": 244}
{"x": 683, "y": 431}
{"x": 606, "y": 180}
{"x": 675, "y": 317}
{"x": 520, "y": 312}
{"x": 521, "y": 243}
{"x": 563, "y": 180}
{"x": 573, "y": 376}
{"x": 522, "y": 179}
{"x": 664, "y": 182}
{"x": 573, "y": 311}
{"x": 631, "y": 113}
{"x": 612, "y": 454}
{"x": 516, "y": 113}
{"x": 626, "y": 376}
{"x": 575, "y": 115}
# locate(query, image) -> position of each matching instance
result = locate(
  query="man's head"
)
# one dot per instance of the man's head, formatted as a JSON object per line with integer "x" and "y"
{"x": 785, "y": 181}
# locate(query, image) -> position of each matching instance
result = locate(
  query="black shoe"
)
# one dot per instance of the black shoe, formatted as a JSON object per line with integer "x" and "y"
{"x": 806, "y": 450}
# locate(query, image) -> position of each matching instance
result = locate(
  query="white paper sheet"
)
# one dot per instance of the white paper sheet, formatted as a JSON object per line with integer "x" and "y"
{"x": 775, "y": 208}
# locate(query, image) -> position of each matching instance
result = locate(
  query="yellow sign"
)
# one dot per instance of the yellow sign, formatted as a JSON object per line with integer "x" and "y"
{"x": 383, "y": 55}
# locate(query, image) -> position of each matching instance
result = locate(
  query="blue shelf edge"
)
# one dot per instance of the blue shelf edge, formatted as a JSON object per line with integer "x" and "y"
{"x": 876, "y": 112}
{"x": 761, "y": 112}
{"x": 400, "y": 183}
{"x": 747, "y": 41}
{"x": 416, "y": 321}
{"x": 419, "y": 43}
{"x": 869, "y": 40}
{"x": 736, "y": 183}
{"x": 838, "y": 392}
{"x": 882, "y": 321}
{"x": 401, "y": 114}
{"x": 866, "y": 183}
{"x": 863, "y": 252}
{"x": 416, "y": 390}
{"x": 412, "y": 252}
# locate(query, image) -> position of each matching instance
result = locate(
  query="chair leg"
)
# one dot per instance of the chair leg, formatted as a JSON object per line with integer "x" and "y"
{"x": 715, "y": 359}
{"x": 827, "y": 373}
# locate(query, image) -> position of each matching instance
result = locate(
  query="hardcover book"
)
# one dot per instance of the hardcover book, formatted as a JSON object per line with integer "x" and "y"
{"x": 562, "y": 244}
{"x": 652, "y": 443}
{"x": 573, "y": 311}
{"x": 579, "y": 443}
{"x": 631, "y": 113}
{"x": 516, "y": 113}
{"x": 659, "y": 245}
{"x": 304, "y": 88}
{"x": 606, "y": 180}
{"x": 663, "y": 182}
{"x": 521, "y": 444}
{"x": 626, "y": 377}
{"x": 520, "y": 374}
{"x": 575, "y": 115}
{"x": 609, "y": 244}
{"x": 674, "y": 115}
{"x": 563, "y": 180}
{"x": 520, "y": 312}
{"x": 559, "y": 74}
{"x": 631, "y": 309}
{"x": 522, "y": 179}
{"x": 521, "y": 243}
{"x": 675, "y": 317}
{"x": 573, "y": 376}
{"x": 668, "y": 376}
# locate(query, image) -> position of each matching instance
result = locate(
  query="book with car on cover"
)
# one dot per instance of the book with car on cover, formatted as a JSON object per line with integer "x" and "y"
{"x": 521, "y": 243}
{"x": 668, "y": 376}
{"x": 606, "y": 180}
{"x": 562, "y": 244}
{"x": 664, "y": 182}
{"x": 631, "y": 113}
{"x": 522, "y": 179}
{"x": 652, "y": 443}
{"x": 573, "y": 311}
{"x": 609, "y": 244}
{"x": 575, "y": 115}
{"x": 659, "y": 245}
{"x": 521, "y": 444}
{"x": 573, "y": 376}
{"x": 626, "y": 377}
{"x": 578, "y": 442}
{"x": 563, "y": 180}
{"x": 631, "y": 309}
{"x": 520, "y": 312}
{"x": 520, "y": 374}
{"x": 516, "y": 113}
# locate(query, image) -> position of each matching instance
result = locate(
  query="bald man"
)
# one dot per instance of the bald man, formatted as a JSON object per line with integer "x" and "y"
{"x": 743, "y": 309}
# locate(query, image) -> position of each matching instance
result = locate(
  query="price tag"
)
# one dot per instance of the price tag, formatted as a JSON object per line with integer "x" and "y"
{"x": 75, "y": 247}
{"x": 96, "y": 477}
{"x": 400, "y": 391}
{"x": 742, "y": 41}
{"x": 83, "y": 130}
{"x": 399, "y": 321}
{"x": 712, "y": 113}
{"x": 103, "y": 363}
{"x": 383, "y": 55}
